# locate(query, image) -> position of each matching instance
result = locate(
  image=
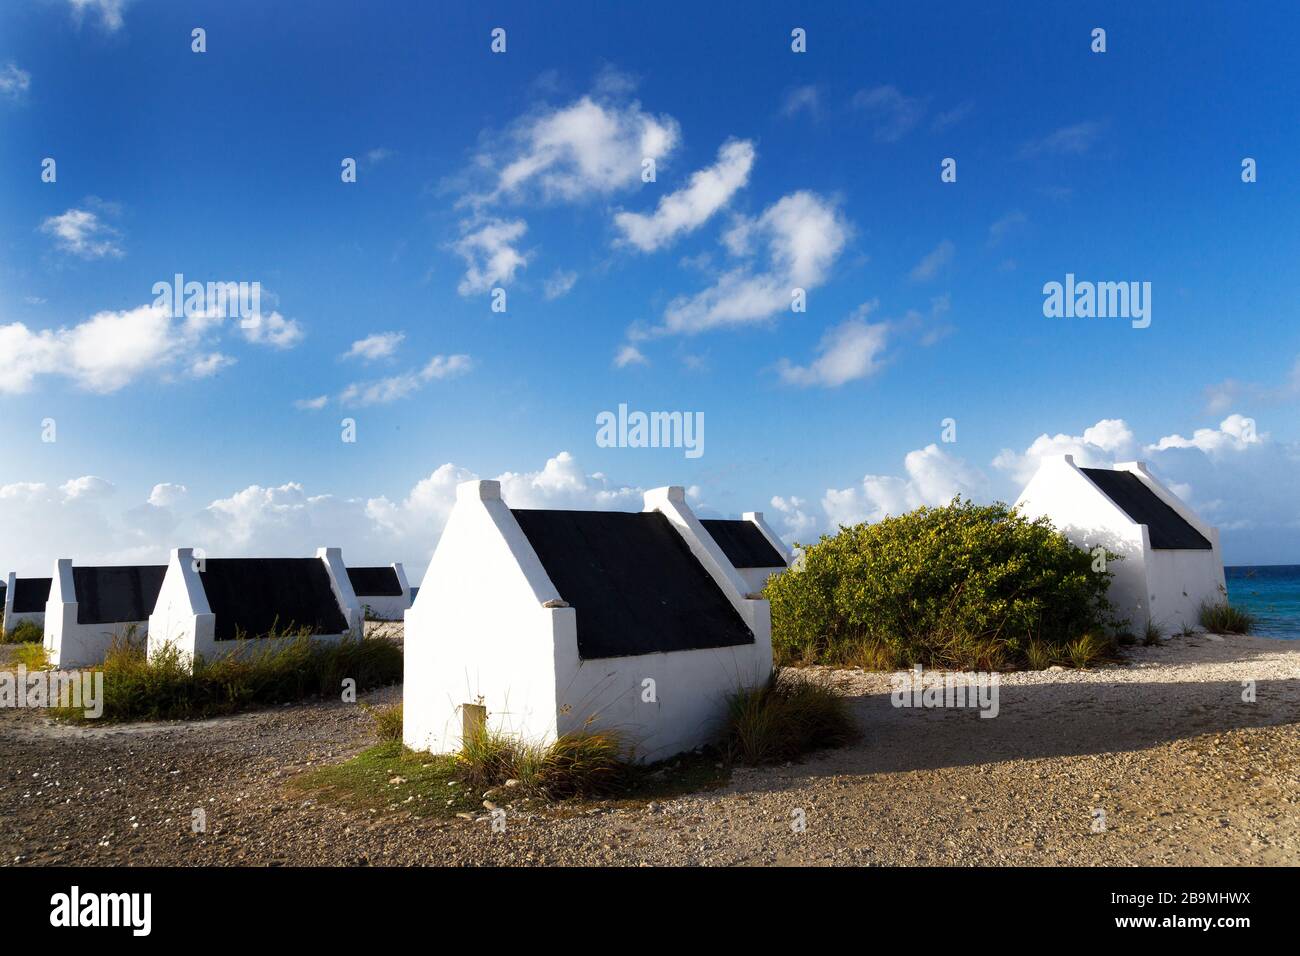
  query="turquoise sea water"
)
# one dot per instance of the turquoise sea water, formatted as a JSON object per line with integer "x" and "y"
{"x": 1271, "y": 592}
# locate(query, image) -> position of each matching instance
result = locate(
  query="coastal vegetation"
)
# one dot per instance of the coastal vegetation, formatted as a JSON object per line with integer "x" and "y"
{"x": 959, "y": 586}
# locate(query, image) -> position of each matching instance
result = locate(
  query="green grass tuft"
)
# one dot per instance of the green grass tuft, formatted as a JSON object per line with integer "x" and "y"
{"x": 1091, "y": 649}
{"x": 1153, "y": 634}
{"x": 388, "y": 721}
{"x": 585, "y": 764}
{"x": 784, "y": 718}
{"x": 1223, "y": 618}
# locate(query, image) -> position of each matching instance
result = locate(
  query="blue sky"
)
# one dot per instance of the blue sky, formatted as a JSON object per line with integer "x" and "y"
{"x": 522, "y": 171}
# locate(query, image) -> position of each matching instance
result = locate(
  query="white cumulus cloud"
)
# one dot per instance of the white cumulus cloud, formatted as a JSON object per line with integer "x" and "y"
{"x": 847, "y": 352}
{"x": 1103, "y": 444}
{"x": 802, "y": 235}
{"x": 689, "y": 208}
{"x": 933, "y": 477}
{"x": 1235, "y": 433}
{"x": 490, "y": 254}
{"x": 82, "y": 233}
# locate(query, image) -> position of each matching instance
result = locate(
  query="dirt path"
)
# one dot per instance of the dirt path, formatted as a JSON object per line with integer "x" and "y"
{"x": 1184, "y": 770}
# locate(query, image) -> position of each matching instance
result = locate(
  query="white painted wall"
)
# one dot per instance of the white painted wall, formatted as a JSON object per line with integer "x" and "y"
{"x": 1163, "y": 586}
{"x": 388, "y": 607}
{"x": 69, "y": 644}
{"x": 183, "y": 617}
{"x": 479, "y": 633}
{"x": 1179, "y": 582}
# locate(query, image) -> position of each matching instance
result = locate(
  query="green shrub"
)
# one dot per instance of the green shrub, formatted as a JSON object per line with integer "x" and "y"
{"x": 24, "y": 632}
{"x": 163, "y": 686}
{"x": 791, "y": 714}
{"x": 32, "y": 656}
{"x": 1223, "y": 618}
{"x": 962, "y": 585}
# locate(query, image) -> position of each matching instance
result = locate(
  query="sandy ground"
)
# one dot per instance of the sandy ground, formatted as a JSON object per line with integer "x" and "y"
{"x": 1185, "y": 771}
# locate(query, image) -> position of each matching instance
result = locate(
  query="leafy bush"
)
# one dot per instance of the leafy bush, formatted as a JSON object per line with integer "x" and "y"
{"x": 789, "y": 715}
{"x": 963, "y": 585}
{"x": 163, "y": 686}
{"x": 1223, "y": 618}
{"x": 24, "y": 632}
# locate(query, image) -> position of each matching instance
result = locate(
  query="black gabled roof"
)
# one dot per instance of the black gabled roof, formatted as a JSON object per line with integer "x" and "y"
{"x": 636, "y": 585}
{"x": 253, "y": 596}
{"x": 30, "y": 595}
{"x": 375, "y": 582}
{"x": 743, "y": 544}
{"x": 1168, "y": 529}
{"x": 117, "y": 595}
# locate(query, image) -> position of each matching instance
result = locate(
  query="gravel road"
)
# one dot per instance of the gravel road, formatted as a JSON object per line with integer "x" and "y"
{"x": 1184, "y": 771}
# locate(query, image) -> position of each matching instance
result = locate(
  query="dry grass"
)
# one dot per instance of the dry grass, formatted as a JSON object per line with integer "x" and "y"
{"x": 586, "y": 764}
{"x": 784, "y": 718}
{"x": 164, "y": 685}
{"x": 31, "y": 656}
{"x": 388, "y": 721}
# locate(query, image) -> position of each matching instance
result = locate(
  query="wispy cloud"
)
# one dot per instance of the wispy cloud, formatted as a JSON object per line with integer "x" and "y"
{"x": 560, "y": 284}
{"x": 801, "y": 99}
{"x": 13, "y": 81}
{"x": 847, "y": 352}
{"x": 109, "y": 11}
{"x": 1072, "y": 140}
{"x": 380, "y": 345}
{"x": 895, "y": 113}
{"x": 933, "y": 262}
{"x": 689, "y": 208}
{"x": 629, "y": 355}
{"x": 394, "y": 387}
{"x": 1005, "y": 226}
{"x": 273, "y": 329}
{"x": 952, "y": 117}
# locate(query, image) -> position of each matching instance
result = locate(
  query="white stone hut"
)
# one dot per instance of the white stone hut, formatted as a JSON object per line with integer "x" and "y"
{"x": 24, "y": 601}
{"x": 213, "y": 606}
{"x": 542, "y": 623}
{"x": 90, "y": 606}
{"x": 1171, "y": 559}
{"x": 383, "y": 593}
{"x": 751, "y": 546}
